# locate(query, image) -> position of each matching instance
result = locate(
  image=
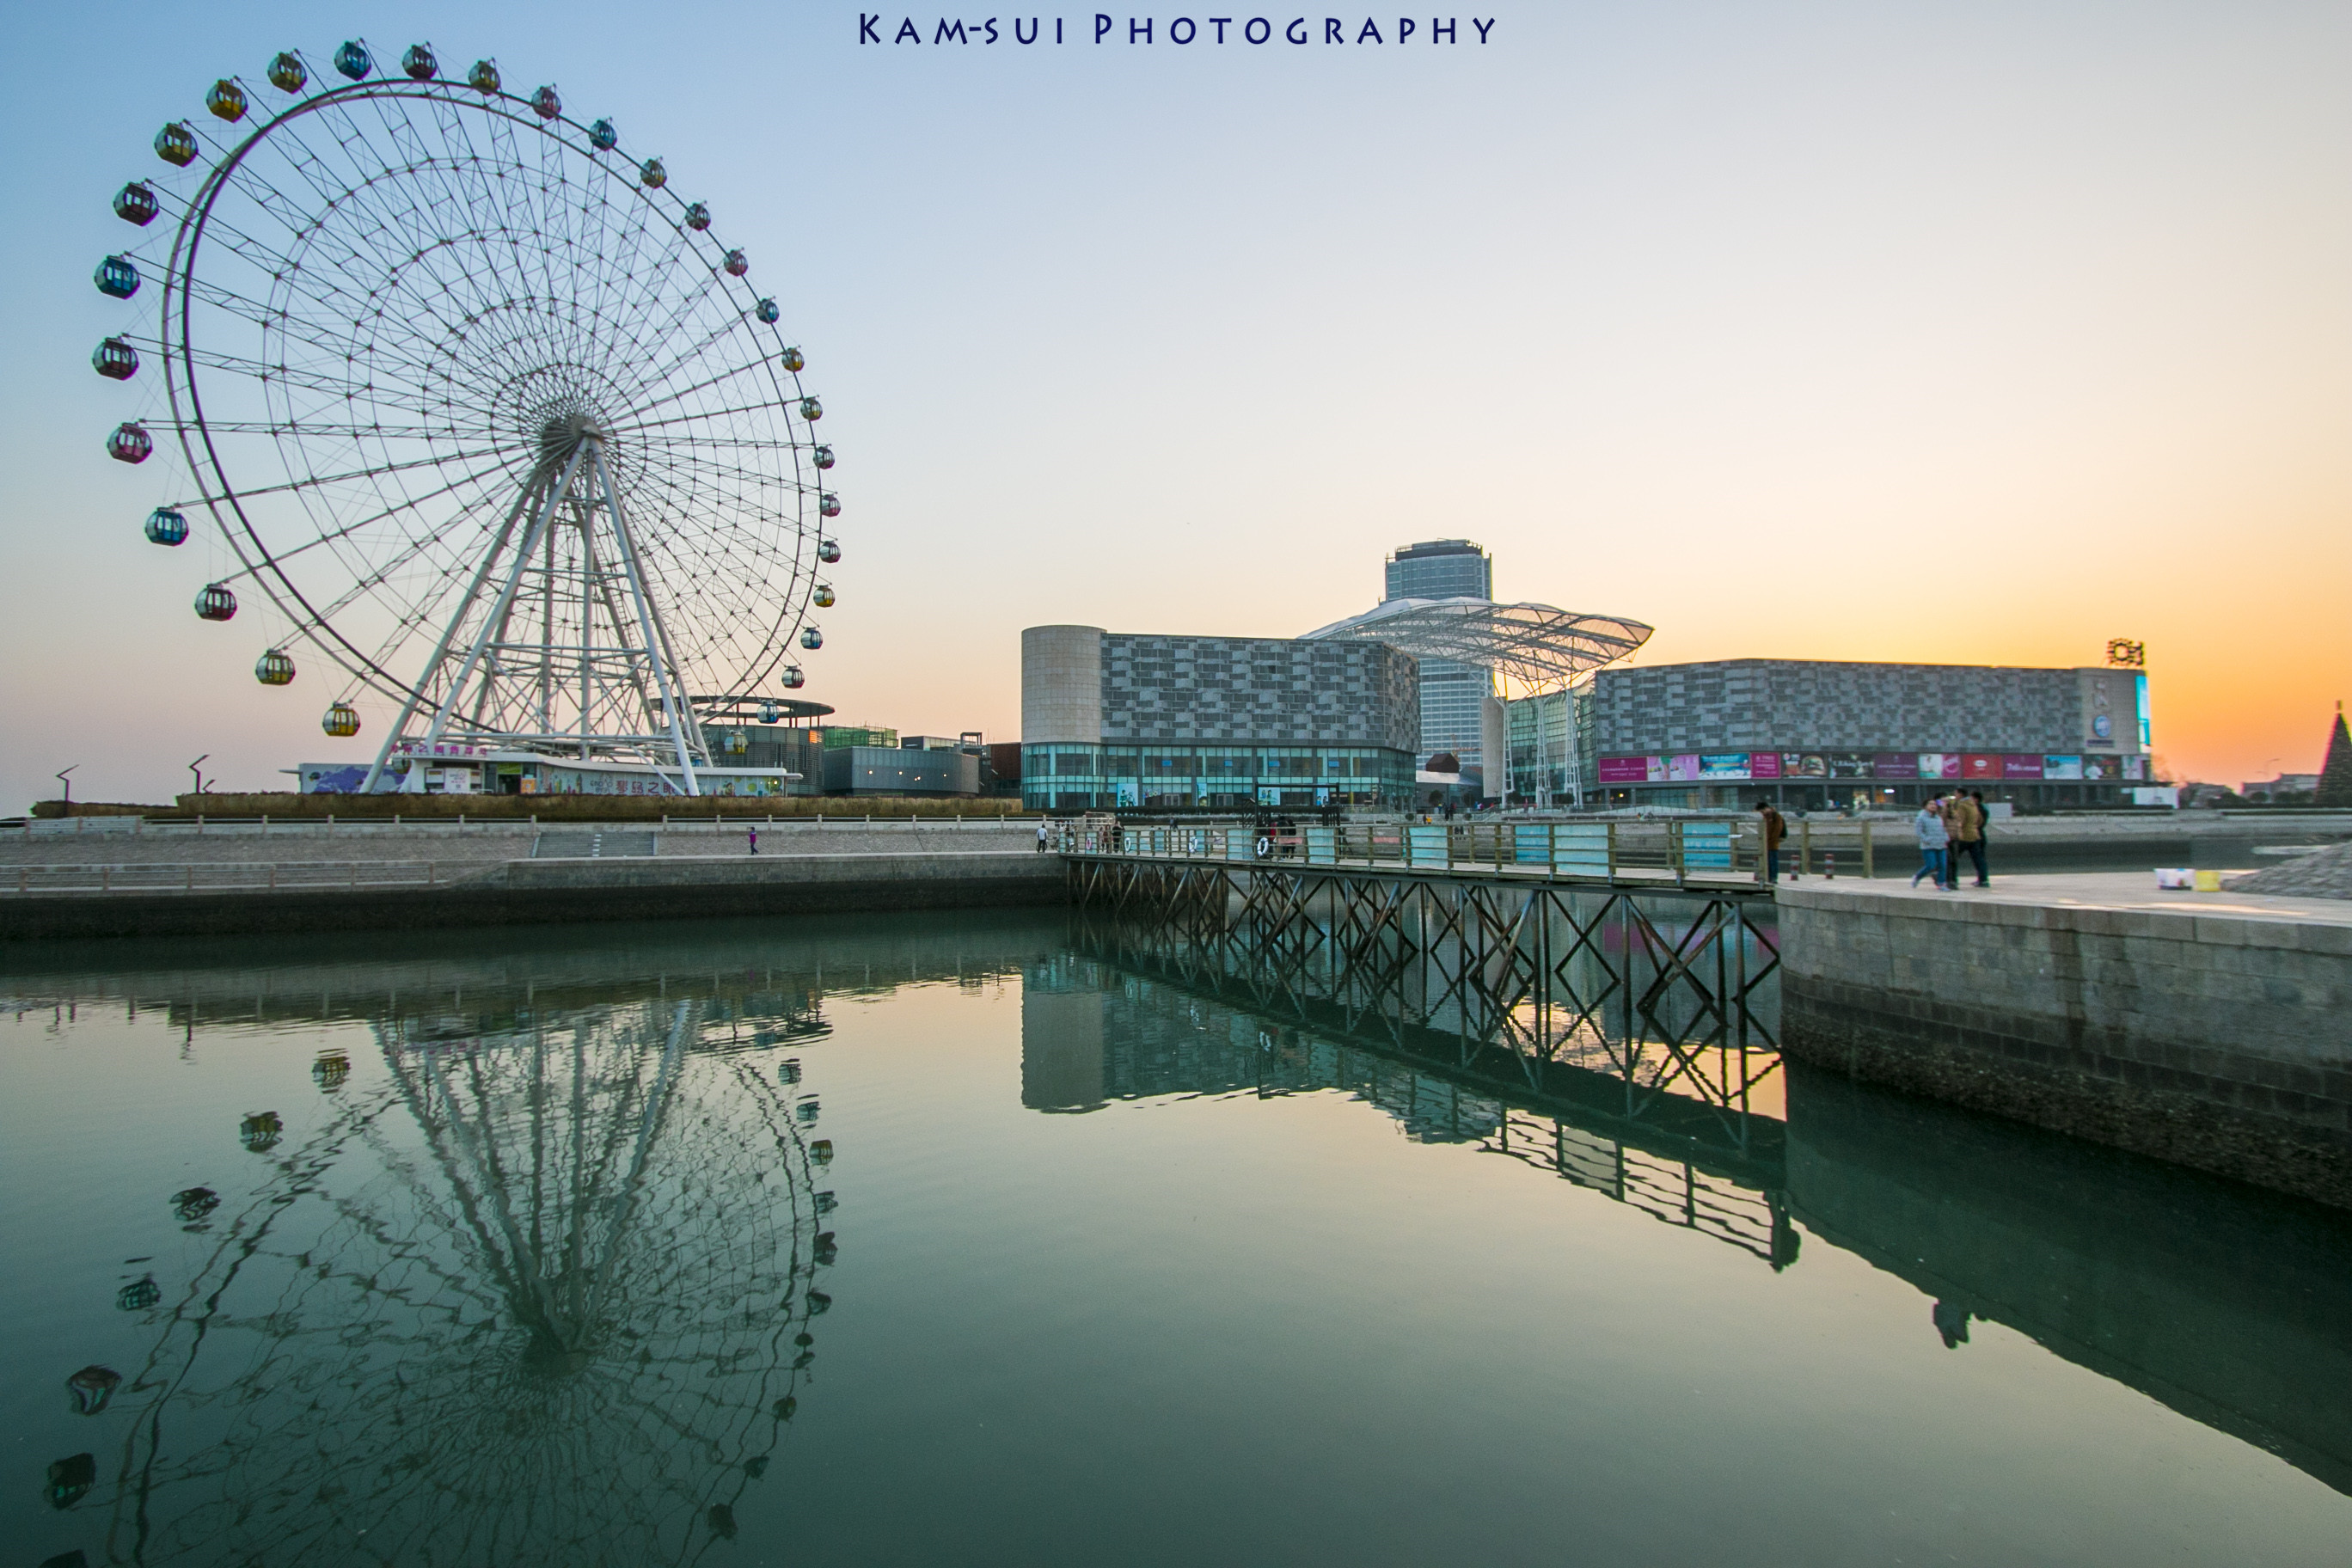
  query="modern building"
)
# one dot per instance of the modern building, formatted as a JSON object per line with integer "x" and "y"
{"x": 900, "y": 770}
{"x": 1455, "y": 698}
{"x": 1816, "y": 734}
{"x": 2285, "y": 786}
{"x": 1114, "y": 718}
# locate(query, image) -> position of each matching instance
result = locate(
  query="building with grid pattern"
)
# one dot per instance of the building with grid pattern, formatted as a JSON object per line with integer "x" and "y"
{"x": 1112, "y": 719}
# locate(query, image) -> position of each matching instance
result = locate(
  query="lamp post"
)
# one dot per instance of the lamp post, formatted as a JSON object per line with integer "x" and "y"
{"x": 197, "y": 768}
{"x": 68, "y": 782}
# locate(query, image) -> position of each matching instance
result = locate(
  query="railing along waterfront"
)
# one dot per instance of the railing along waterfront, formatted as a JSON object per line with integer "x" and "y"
{"x": 228, "y": 877}
{"x": 1670, "y": 851}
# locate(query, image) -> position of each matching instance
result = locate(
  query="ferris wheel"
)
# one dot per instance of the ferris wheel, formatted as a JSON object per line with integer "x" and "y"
{"x": 488, "y": 413}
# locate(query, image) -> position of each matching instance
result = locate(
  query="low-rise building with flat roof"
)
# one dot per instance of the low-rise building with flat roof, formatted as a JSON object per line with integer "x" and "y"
{"x": 1818, "y": 733}
{"x": 1115, "y": 718}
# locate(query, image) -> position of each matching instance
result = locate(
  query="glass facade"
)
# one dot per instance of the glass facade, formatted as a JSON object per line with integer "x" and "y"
{"x": 1453, "y": 696}
{"x": 1075, "y": 777}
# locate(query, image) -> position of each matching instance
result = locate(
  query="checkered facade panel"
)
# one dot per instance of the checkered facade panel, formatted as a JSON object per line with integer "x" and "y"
{"x": 1759, "y": 704}
{"x": 1276, "y": 690}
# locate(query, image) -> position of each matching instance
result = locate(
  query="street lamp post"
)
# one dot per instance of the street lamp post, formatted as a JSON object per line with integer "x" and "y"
{"x": 68, "y": 782}
{"x": 197, "y": 768}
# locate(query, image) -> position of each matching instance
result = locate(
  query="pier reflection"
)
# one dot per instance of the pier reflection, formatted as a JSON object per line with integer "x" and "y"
{"x": 2229, "y": 1304}
{"x": 1586, "y": 1069}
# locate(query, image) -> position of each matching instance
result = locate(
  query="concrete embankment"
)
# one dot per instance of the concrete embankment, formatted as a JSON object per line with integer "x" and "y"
{"x": 2213, "y": 1030}
{"x": 537, "y": 891}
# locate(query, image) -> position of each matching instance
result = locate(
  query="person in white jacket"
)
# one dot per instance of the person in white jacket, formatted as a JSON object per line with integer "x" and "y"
{"x": 1935, "y": 844}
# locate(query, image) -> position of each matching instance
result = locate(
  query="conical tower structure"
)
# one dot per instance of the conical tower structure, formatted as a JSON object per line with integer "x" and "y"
{"x": 2336, "y": 772}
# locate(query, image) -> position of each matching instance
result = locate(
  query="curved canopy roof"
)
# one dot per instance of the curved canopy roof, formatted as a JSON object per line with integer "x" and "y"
{"x": 1531, "y": 646}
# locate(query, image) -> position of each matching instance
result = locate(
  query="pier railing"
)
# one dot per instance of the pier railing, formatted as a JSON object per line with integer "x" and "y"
{"x": 1671, "y": 851}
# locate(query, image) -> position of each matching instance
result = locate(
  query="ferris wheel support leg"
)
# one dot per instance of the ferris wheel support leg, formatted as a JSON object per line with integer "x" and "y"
{"x": 506, "y": 598}
{"x": 658, "y": 649}
{"x": 448, "y": 636}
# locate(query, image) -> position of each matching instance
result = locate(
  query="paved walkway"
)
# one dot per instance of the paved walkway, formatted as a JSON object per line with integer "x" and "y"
{"x": 2120, "y": 891}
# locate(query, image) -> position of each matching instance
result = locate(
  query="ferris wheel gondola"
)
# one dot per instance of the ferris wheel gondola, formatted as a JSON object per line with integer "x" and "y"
{"x": 490, "y": 416}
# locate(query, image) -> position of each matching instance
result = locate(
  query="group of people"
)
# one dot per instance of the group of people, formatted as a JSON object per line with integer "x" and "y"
{"x": 1948, "y": 826}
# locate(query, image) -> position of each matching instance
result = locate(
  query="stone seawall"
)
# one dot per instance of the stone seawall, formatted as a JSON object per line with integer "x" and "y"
{"x": 533, "y": 892}
{"x": 2213, "y": 1035}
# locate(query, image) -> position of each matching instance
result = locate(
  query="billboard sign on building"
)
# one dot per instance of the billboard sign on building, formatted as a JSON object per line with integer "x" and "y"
{"x": 1764, "y": 765}
{"x": 2013, "y": 766}
{"x": 1683, "y": 769}
{"x": 1940, "y": 764}
{"x": 1894, "y": 765}
{"x": 1804, "y": 765}
{"x": 1630, "y": 770}
{"x": 2062, "y": 767}
{"x": 1979, "y": 765}
{"x": 1719, "y": 766}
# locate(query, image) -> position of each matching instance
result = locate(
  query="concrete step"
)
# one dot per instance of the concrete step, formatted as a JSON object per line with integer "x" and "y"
{"x": 594, "y": 843}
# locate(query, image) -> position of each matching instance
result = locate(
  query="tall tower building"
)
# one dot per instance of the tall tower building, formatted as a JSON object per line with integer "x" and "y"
{"x": 1453, "y": 697}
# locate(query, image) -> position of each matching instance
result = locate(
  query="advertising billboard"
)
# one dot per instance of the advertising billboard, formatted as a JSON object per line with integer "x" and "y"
{"x": 1940, "y": 764}
{"x": 2013, "y": 766}
{"x": 1894, "y": 765}
{"x": 1630, "y": 770}
{"x": 1764, "y": 765}
{"x": 1684, "y": 769}
{"x": 1804, "y": 765}
{"x": 1979, "y": 765}
{"x": 1850, "y": 765}
{"x": 2062, "y": 767}
{"x": 1717, "y": 766}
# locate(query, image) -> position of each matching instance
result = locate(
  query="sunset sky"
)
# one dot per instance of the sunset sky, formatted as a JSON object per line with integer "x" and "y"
{"x": 1969, "y": 334}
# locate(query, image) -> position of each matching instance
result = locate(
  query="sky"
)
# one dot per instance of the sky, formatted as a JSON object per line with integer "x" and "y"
{"x": 1975, "y": 334}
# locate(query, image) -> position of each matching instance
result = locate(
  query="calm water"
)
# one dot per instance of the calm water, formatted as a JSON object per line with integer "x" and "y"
{"x": 949, "y": 1239}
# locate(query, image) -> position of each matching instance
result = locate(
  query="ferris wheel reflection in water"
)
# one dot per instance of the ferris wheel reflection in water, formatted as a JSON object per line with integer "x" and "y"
{"x": 542, "y": 1295}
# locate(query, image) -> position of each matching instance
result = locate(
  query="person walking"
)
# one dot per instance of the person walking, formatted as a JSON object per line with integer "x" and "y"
{"x": 1044, "y": 833}
{"x": 755, "y": 840}
{"x": 1968, "y": 837}
{"x": 1935, "y": 843}
{"x": 1984, "y": 834}
{"x": 1776, "y": 828}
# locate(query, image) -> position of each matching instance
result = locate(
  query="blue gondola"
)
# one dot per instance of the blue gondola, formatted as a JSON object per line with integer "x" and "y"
{"x": 811, "y": 638}
{"x": 769, "y": 713}
{"x": 353, "y": 60}
{"x": 117, "y": 276}
{"x": 165, "y": 526}
{"x": 767, "y": 311}
{"x": 603, "y": 137}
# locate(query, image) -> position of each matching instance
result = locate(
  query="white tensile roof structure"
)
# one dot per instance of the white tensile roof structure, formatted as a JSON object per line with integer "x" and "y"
{"x": 1533, "y": 646}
